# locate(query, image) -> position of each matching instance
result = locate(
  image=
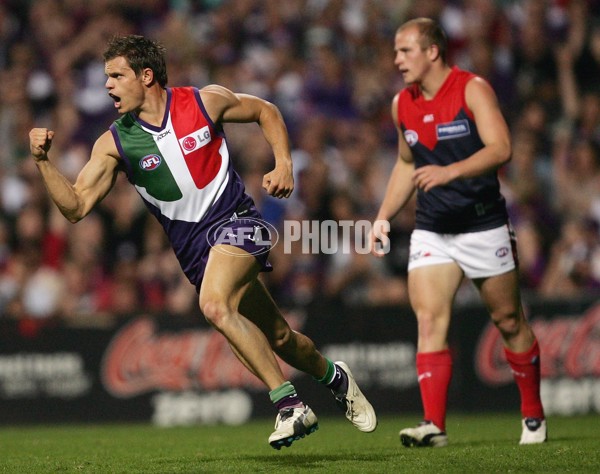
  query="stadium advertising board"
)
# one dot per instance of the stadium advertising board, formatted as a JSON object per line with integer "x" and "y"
{"x": 179, "y": 371}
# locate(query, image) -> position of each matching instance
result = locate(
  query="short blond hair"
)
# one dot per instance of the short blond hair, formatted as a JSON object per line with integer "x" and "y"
{"x": 431, "y": 34}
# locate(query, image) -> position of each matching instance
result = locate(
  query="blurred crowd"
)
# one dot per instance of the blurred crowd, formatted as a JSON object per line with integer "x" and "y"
{"x": 328, "y": 66}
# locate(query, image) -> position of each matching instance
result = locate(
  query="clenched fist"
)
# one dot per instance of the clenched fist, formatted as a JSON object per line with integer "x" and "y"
{"x": 40, "y": 140}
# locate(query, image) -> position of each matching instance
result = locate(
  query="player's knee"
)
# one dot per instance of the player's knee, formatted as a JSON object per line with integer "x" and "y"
{"x": 429, "y": 324}
{"x": 508, "y": 323}
{"x": 214, "y": 310}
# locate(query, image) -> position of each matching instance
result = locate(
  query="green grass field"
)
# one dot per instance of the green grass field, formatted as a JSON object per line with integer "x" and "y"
{"x": 479, "y": 444}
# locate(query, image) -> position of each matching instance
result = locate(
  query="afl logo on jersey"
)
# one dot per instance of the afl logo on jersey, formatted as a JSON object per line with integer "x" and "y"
{"x": 150, "y": 162}
{"x": 411, "y": 137}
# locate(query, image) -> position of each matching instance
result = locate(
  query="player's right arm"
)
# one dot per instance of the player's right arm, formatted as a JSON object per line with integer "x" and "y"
{"x": 95, "y": 180}
{"x": 400, "y": 187}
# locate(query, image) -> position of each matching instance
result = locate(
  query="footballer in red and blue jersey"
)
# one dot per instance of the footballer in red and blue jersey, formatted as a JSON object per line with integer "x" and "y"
{"x": 442, "y": 131}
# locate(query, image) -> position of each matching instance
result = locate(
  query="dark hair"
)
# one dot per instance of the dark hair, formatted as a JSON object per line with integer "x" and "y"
{"x": 141, "y": 53}
{"x": 431, "y": 33}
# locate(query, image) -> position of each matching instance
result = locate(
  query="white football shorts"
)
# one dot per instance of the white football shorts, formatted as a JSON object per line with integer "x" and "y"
{"x": 479, "y": 254}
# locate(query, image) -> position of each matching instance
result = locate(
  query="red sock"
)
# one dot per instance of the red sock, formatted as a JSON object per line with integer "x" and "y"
{"x": 526, "y": 370}
{"x": 434, "y": 370}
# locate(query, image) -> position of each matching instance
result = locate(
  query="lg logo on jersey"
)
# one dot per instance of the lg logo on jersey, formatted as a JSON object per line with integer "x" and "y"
{"x": 195, "y": 140}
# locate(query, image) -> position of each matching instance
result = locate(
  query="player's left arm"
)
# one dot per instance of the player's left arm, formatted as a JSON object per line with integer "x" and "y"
{"x": 224, "y": 106}
{"x": 494, "y": 134}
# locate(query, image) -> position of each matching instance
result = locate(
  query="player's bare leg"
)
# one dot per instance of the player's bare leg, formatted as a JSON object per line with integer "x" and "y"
{"x": 228, "y": 275}
{"x": 502, "y": 299}
{"x": 293, "y": 347}
{"x": 299, "y": 351}
{"x": 501, "y": 295}
{"x": 432, "y": 289}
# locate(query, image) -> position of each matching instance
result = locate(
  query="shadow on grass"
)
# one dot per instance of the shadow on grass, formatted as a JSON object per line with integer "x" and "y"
{"x": 307, "y": 461}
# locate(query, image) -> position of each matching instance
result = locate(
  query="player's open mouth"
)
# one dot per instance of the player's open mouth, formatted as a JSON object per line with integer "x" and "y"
{"x": 116, "y": 99}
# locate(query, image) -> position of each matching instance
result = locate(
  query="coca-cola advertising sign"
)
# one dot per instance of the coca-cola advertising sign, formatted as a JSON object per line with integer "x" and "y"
{"x": 570, "y": 347}
{"x": 142, "y": 358}
{"x": 173, "y": 370}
